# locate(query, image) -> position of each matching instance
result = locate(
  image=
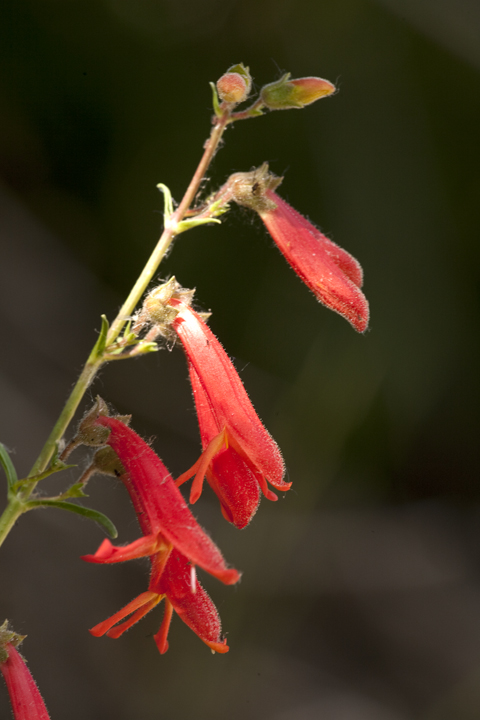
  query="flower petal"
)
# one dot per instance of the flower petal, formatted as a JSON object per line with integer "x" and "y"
{"x": 195, "y": 608}
{"x": 332, "y": 274}
{"x": 154, "y": 492}
{"x": 143, "y": 547}
{"x": 27, "y": 703}
{"x": 222, "y": 399}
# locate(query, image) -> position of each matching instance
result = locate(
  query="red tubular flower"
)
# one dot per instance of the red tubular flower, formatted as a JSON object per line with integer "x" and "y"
{"x": 173, "y": 540}
{"x": 27, "y": 703}
{"x": 239, "y": 456}
{"x": 332, "y": 274}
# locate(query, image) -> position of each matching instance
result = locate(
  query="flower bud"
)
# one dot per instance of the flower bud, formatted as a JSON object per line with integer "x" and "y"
{"x": 234, "y": 86}
{"x": 285, "y": 94}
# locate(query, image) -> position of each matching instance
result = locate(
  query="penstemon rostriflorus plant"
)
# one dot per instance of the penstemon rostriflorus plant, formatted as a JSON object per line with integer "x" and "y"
{"x": 239, "y": 458}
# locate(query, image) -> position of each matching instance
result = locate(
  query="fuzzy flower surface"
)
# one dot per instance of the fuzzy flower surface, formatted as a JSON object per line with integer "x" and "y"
{"x": 239, "y": 456}
{"x": 25, "y": 698}
{"x": 285, "y": 94}
{"x": 332, "y": 274}
{"x": 171, "y": 538}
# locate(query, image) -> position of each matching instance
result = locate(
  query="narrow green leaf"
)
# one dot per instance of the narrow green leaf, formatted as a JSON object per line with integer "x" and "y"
{"x": 215, "y": 100}
{"x": 88, "y": 513}
{"x": 167, "y": 202}
{"x": 8, "y": 466}
{"x": 99, "y": 347}
{"x": 127, "y": 329}
{"x": 56, "y": 466}
{"x": 74, "y": 491}
{"x": 102, "y": 338}
{"x": 195, "y": 222}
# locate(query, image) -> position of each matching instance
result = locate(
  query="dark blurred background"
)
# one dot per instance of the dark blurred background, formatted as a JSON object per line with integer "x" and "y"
{"x": 360, "y": 598}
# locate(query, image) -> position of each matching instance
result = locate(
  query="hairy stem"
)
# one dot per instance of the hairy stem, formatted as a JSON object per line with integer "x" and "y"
{"x": 91, "y": 368}
{"x": 69, "y": 409}
{"x": 9, "y": 517}
{"x": 16, "y": 504}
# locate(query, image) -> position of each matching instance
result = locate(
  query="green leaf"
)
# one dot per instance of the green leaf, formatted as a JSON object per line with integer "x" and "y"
{"x": 195, "y": 222}
{"x": 99, "y": 347}
{"x": 56, "y": 466}
{"x": 167, "y": 202}
{"x": 127, "y": 329}
{"x": 146, "y": 347}
{"x": 88, "y": 513}
{"x": 216, "y": 102}
{"x": 8, "y": 466}
{"x": 74, "y": 491}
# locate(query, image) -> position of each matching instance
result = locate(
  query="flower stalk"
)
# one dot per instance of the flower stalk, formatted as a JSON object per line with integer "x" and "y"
{"x": 172, "y": 227}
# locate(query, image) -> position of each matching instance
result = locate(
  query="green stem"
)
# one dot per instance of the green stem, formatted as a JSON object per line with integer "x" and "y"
{"x": 10, "y": 516}
{"x": 16, "y": 504}
{"x": 85, "y": 379}
{"x": 92, "y": 367}
{"x": 169, "y": 232}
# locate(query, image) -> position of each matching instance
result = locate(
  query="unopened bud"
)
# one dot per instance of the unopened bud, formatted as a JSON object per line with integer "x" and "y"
{"x": 106, "y": 462}
{"x": 285, "y": 94}
{"x": 234, "y": 86}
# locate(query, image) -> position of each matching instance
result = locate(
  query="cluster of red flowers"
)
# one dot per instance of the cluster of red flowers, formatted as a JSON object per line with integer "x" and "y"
{"x": 240, "y": 459}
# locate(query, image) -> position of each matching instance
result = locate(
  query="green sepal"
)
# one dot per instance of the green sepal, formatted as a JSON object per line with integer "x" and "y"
{"x": 8, "y": 637}
{"x": 216, "y": 102}
{"x": 100, "y": 345}
{"x": 243, "y": 71}
{"x": 8, "y": 466}
{"x": 88, "y": 513}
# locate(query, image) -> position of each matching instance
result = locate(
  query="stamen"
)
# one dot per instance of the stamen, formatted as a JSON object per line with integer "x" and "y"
{"x": 138, "y": 602}
{"x": 161, "y": 637}
{"x": 115, "y": 632}
{"x": 201, "y": 466}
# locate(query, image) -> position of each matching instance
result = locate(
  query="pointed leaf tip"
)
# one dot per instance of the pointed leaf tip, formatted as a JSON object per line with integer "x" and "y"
{"x": 88, "y": 513}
